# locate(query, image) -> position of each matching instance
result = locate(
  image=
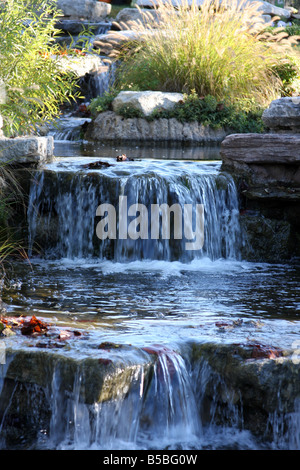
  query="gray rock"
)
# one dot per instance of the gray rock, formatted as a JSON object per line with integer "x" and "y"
{"x": 80, "y": 65}
{"x": 265, "y": 239}
{"x": 86, "y": 9}
{"x": 110, "y": 126}
{"x": 264, "y": 158}
{"x": 26, "y": 150}
{"x": 247, "y": 377}
{"x": 116, "y": 39}
{"x": 76, "y": 26}
{"x": 270, "y": 9}
{"x": 129, "y": 18}
{"x": 283, "y": 113}
{"x": 262, "y": 148}
{"x": 146, "y": 101}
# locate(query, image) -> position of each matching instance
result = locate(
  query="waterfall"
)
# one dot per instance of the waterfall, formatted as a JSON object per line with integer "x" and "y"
{"x": 105, "y": 78}
{"x": 63, "y": 205}
{"x": 155, "y": 407}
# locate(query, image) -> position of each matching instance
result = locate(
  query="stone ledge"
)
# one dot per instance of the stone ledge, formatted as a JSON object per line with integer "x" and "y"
{"x": 262, "y": 148}
{"x": 23, "y": 151}
{"x": 264, "y": 158}
{"x": 110, "y": 126}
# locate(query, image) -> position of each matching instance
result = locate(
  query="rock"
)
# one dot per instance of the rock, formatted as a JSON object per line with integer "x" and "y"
{"x": 110, "y": 126}
{"x": 129, "y": 18}
{"x": 265, "y": 239}
{"x": 266, "y": 18}
{"x": 30, "y": 150}
{"x": 265, "y": 158}
{"x": 115, "y": 40}
{"x": 146, "y": 101}
{"x": 74, "y": 27}
{"x": 80, "y": 64}
{"x": 273, "y": 10}
{"x": 283, "y": 114}
{"x": 266, "y": 168}
{"x": 91, "y": 10}
{"x": 237, "y": 380}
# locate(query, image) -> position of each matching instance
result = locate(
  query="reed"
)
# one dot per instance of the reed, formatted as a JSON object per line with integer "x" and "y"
{"x": 217, "y": 50}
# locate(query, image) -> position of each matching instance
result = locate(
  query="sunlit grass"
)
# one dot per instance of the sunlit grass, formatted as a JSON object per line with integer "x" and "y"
{"x": 216, "y": 50}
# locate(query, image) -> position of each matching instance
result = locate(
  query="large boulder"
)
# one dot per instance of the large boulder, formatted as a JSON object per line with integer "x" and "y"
{"x": 283, "y": 114}
{"x": 109, "y": 126}
{"x": 273, "y": 10}
{"x": 28, "y": 151}
{"x": 115, "y": 40}
{"x": 130, "y": 18}
{"x": 85, "y": 9}
{"x": 146, "y": 101}
{"x": 80, "y": 65}
{"x": 265, "y": 158}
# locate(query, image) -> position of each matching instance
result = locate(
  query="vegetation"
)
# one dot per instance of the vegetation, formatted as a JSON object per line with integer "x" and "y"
{"x": 218, "y": 51}
{"x": 206, "y": 110}
{"x": 33, "y": 83}
{"x": 10, "y": 195}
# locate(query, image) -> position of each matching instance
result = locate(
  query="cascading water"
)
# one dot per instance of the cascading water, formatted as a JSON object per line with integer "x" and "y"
{"x": 155, "y": 407}
{"x": 165, "y": 397}
{"x": 70, "y": 200}
{"x": 69, "y": 127}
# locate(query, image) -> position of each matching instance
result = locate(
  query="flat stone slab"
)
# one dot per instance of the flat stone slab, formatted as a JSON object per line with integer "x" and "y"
{"x": 263, "y": 159}
{"x": 261, "y": 148}
{"x": 30, "y": 150}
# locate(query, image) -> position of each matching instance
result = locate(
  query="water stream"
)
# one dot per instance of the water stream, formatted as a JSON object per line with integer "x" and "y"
{"x": 152, "y": 295}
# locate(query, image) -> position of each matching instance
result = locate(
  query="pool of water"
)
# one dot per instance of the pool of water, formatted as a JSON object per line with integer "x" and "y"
{"x": 142, "y": 300}
{"x": 169, "y": 302}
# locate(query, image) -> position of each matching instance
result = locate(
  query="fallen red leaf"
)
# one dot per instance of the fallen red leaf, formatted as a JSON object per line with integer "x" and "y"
{"x": 33, "y": 326}
{"x": 260, "y": 351}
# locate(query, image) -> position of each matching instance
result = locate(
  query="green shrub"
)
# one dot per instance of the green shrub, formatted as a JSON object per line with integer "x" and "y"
{"x": 35, "y": 84}
{"x": 102, "y": 103}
